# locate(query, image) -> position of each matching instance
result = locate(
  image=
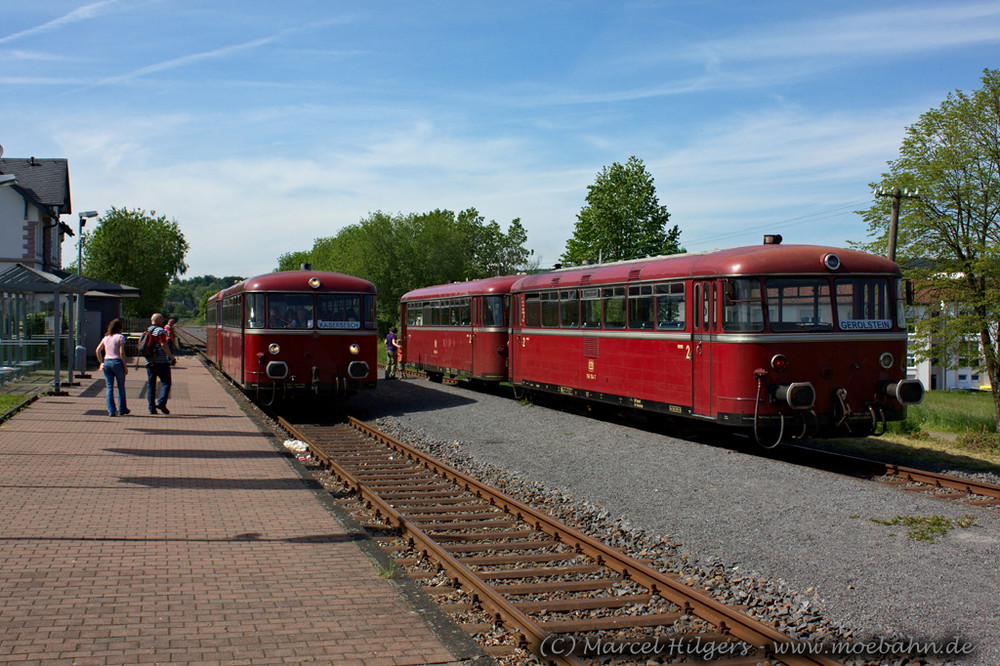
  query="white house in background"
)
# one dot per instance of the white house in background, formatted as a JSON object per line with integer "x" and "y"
{"x": 935, "y": 377}
{"x": 31, "y": 232}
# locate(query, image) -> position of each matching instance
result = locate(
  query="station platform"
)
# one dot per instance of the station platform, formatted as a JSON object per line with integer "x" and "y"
{"x": 188, "y": 538}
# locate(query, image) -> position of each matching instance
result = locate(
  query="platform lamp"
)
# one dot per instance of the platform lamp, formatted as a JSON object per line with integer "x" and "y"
{"x": 84, "y": 216}
{"x": 7, "y": 179}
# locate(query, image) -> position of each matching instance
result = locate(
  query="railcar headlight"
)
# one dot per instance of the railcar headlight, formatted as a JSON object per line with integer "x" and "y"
{"x": 885, "y": 360}
{"x": 831, "y": 261}
{"x": 274, "y": 348}
{"x": 354, "y": 349}
{"x": 779, "y": 362}
{"x": 314, "y": 282}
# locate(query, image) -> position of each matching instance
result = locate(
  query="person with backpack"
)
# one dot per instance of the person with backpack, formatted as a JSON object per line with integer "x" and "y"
{"x": 154, "y": 348}
{"x": 111, "y": 353}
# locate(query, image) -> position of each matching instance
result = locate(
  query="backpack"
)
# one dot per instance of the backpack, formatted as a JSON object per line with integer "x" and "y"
{"x": 148, "y": 344}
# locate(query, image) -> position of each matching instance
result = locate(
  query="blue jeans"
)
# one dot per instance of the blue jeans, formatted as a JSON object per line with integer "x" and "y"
{"x": 154, "y": 371}
{"x": 114, "y": 372}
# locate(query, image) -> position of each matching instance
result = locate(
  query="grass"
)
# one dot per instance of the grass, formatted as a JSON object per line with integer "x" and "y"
{"x": 954, "y": 412}
{"x": 9, "y": 401}
{"x": 927, "y": 528}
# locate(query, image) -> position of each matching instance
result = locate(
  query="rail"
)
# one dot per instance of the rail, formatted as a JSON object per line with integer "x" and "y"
{"x": 414, "y": 497}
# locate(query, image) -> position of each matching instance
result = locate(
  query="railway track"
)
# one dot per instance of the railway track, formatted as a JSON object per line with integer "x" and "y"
{"x": 941, "y": 486}
{"x": 565, "y": 596}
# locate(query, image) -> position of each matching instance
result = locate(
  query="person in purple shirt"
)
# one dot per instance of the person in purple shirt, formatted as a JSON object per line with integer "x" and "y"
{"x": 391, "y": 354}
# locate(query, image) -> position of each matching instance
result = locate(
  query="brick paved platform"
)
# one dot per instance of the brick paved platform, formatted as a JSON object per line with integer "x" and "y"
{"x": 184, "y": 539}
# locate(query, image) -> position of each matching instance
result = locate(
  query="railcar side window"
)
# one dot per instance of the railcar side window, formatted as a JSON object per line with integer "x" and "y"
{"x": 569, "y": 309}
{"x": 290, "y": 310}
{"x": 494, "y": 312}
{"x": 640, "y": 306}
{"x": 255, "y": 310}
{"x": 532, "y": 312}
{"x": 863, "y": 304}
{"x": 743, "y": 310}
{"x": 338, "y": 311}
{"x": 670, "y": 306}
{"x": 614, "y": 307}
{"x": 799, "y": 304}
{"x": 550, "y": 309}
{"x": 465, "y": 312}
{"x": 590, "y": 308}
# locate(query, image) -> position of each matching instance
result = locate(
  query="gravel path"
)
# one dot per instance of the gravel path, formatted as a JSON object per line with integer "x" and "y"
{"x": 809, "y": 532}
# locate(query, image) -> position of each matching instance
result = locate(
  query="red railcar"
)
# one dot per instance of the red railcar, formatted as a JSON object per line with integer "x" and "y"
{"x": 781, "y": 339}
{"x": 293, "y": 332}
{"x": 459, "y": 329}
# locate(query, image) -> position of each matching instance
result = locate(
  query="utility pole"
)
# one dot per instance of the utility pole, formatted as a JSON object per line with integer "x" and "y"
{"x": 896, "y": 195}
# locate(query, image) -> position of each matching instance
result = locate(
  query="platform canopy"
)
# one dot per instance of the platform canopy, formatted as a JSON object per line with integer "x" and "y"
{"x": 20, "y": 279}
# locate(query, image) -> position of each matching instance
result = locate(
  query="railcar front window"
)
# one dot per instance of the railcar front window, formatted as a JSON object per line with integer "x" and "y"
{"x": 799, "y": 304}
{"x": 369, "y": 311}
{"x": 900, "y": 302}
{"x": 743, "y": 311}
{"x": 590, "y": 308}
{"x": 255, "y": 310}
{"x": 863, "y": 304}
{"x": 290, "y": 310}
{"x": 338, "y": 311}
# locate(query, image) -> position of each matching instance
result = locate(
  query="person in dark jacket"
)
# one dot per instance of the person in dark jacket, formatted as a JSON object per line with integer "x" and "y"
{"x": 158, "y": 366}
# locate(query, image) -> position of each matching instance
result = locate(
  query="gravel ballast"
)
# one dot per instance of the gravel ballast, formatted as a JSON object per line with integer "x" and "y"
{"x": 732, "y": 515}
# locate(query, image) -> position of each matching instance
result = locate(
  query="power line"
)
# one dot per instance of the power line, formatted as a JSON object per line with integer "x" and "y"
{"x": 794, "y": 221}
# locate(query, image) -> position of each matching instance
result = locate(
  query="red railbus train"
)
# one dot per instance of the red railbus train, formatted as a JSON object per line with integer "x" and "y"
{"x": 459, "y": 329}
{"x": 295, "y": 332}
{"x": 780, "y": 340}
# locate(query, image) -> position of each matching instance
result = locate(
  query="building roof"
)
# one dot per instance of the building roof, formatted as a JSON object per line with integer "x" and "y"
{"x": 42, "y": 181}
{"x": 97, "y": 287}
{"x": 21, "y": 279}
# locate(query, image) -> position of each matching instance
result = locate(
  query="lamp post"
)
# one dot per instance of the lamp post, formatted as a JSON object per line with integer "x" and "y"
{"x": 79, "y": 297}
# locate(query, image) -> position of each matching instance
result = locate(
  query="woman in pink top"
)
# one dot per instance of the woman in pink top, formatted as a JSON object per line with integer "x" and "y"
{"x": 110, "y": 352}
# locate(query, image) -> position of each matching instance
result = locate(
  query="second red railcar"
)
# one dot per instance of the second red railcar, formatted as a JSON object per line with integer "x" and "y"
{"x": 460, "y": 329}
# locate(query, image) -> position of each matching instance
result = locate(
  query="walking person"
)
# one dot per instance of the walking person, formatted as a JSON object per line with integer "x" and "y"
{"x": 171, "y": 336}
{"x": 111, "y": 353}
{"x": 391, "y": 353}
{"x": 158, "y": 366}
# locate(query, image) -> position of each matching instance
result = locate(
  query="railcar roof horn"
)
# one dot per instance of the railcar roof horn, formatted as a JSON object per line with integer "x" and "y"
{"x": 772, "y": 239}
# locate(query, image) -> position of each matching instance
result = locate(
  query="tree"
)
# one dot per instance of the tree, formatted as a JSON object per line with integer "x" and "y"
{"x": 623, "y": 218}
{"x": 132, "y": 248}
{"x": 949, "y": 239}
{"x": 403, "y": 252}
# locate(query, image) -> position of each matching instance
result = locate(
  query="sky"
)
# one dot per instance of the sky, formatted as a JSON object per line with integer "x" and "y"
{"x": 260, "y": 126}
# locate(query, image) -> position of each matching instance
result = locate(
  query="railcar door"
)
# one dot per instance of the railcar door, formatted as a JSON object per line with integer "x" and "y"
{"x": 702, "y": 336}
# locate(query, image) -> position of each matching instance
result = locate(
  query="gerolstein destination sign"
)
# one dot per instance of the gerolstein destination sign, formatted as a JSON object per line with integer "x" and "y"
{"x": 865, "y": 324}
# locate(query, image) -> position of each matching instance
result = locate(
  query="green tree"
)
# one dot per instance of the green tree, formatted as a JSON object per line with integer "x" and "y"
{"x": 949, "y": 239}
{"x": 139, "y": 250}
{"x": 403, "y": 252}
{"x": 623, "y": 218}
